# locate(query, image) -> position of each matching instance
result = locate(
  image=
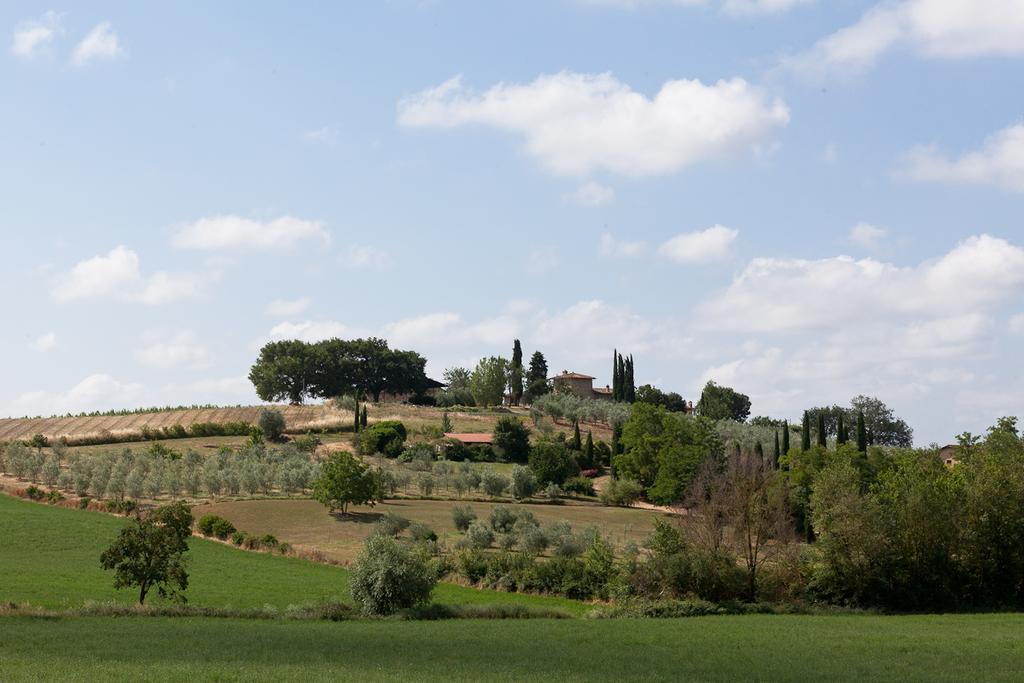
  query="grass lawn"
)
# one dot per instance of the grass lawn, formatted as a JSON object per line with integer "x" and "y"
{"x": 306, "y": 523}
{"x": 916, "y": 648}
{"x": 49, "y": 556}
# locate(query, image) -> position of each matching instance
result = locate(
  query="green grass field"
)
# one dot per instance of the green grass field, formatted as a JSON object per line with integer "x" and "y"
{"x": 918, "y": 648}
{"x": 306, "y": 524}
{"x": 50, "y": 557}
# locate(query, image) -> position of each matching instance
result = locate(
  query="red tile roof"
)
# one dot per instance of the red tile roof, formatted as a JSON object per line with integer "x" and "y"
{"x": 572, "y": 375}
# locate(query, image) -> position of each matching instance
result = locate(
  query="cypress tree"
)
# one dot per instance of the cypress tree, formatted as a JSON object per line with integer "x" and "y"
{"x": 515, "y": 376}
{"x": 588, "y": 453}
{"x": 776, "y": 453}
{"x": 805, "y": 435}
{"x": 822, "y": 436}
{"x": 362, "y": 419}
{"x": 355, "y": 418}
{"x": 871, "y": 437}
{"x": 630, "y": 384}
{"x": 739, "y": 451}
{"x": 841, "y": 435}
{"x": 615, "y": 375}
{"x": 617, "y": 448}
{"x": 785, "y": 436}
{"x": 759, "y": 450}
{"x": 577, "y": 442}
{"x": 446, "y": 423}
{"x": 862, "y": 435}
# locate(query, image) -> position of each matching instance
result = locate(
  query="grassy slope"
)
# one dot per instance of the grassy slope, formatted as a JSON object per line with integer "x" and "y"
{"x": 306, "y": 524}
{"x": 50, "y": 556}
{"x": 933, "y": 648}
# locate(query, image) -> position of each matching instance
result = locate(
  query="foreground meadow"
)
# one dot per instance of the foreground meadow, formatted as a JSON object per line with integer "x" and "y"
{"x": 913, "y": 648}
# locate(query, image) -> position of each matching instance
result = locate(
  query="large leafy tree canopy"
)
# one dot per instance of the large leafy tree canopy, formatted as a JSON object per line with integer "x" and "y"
{"x": 344, "y": 480}
{"x": 149, "y": 553}
{"x": 879, "y": 420}
{"x": 537, "y": 377}
{"x": 721, "y": 403}
{"x": 488, "y": 381}
{"x": 294, "y": 370}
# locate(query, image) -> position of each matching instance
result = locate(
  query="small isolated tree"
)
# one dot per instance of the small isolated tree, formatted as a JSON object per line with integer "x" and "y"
{"x": 524, "y": 482}
{"x": 272, "y": 424}
{"x": 149, "y": 553}
{"x": 515, "y": 374}
{"x": 345, "y": 481}
{"x": 389, "y": 575}
{"x": 446, "y": 424}
{"x": 513, "y": 438}
{"x": 462, "y": 517}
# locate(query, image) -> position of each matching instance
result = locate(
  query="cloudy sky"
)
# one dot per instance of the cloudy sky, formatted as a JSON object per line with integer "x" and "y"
{"x": 803, "y": 199}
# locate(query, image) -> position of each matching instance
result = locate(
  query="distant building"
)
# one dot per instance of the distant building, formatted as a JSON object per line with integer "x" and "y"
{"x": 579, "y": 384}
{"x": 432, "y": 388}
{"x": 471, "y": 438}
{"x": 948, "y": 455}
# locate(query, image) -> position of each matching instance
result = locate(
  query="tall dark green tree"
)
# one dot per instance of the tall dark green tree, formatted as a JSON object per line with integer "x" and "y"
{"x": 537, "y": 377}
{"x": 357, "y": 418}
{"x": 775, "y": 452}
{"x": 841, "y": 434}
{"x": 862, "y": 434}
{"x": 630, "y": 383}
{"x": 588, "y": 451}
{"x": 805, "y": 433}
{"x": 759, "y": 450}
{"x": 822, "y": 434}
{"x": 785, "y": 436}
{"x": 515, "y": 374}
{"x": 363, "y": 418}
{"x": 577, "y": 441}
{"x": 723, "y": 403}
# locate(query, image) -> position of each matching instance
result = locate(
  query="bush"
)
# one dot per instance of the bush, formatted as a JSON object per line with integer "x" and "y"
{"x": 388, "y": 576}
{"x": 534, "y": 540}
{"x": 387, "y": 437}
{"x": 216, "y": 526}
{"x": 269, "y": 541}
{"x": 503, "y": 519}
{"x": 579, "y": 485}
{"x": 307, "y": 443}
{"x": 513, "y": 438}
{"x": 621, "y": 492}
{"x": 524, "y": 483}
{"x": 552, "y": 463}
{"x": 238, "y": 538}
{"x": 479, "y": 536}
{"x": 422, "y": 532}
{"x": 54, "y": 497}
{"x": 35, "y": 493}
{"x": 494, "y": 484}
{"x": 462, "y": 517}
{"x": 83, "y": 503}
{"x": 391, "y": 524}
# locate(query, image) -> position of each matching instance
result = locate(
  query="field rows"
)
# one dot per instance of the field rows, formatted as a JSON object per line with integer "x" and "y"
{"x": 56, "y": 427}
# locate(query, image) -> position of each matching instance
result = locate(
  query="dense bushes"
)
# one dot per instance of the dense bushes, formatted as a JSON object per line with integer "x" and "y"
{"x": 271, "y": 423}
{"x": 387, "y": 437}
{"x": 552, "y": 463}
{"x": 513, "y": 438}
{"x": 216, "y": 526}
{"x": 389, "y": 575}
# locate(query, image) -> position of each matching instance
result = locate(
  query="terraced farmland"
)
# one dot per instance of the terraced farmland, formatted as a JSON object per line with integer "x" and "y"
{"x": 297, "y": 417}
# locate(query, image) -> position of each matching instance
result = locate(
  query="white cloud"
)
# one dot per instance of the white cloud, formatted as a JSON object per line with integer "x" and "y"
{"x": 33, "y": 37}
{"x": 790, "y": 295}
{"x": 230, "y": 232}
{"x": 367, "y": 257}
{"x": 45, "y": 342}
{"x": 948, "y": 29}
{"x": 1017, "y": 323}
{"x": 181, "y": 350}
{"x": 326, "y": 135}
{"x": 100, "y": 43}
{"x": 312, "y": 331}
{"x": 440, "y": 329}
{"x": 117, "y": 275}
{"x": 95, "y": 392}
{"x": 575, "y": 124}
{"x": 592, "y": 194}
{"x": 283, "y": 308}
{"x": 609, "y": 247}
{"x": 1000, "y": 163}
{"x": 713, "y": 244}
{"x": 867, "y": 235}
{"x": 543, "y": 260}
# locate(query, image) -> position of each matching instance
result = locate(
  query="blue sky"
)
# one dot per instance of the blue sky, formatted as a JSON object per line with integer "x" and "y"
{"x": 806, "y": 200}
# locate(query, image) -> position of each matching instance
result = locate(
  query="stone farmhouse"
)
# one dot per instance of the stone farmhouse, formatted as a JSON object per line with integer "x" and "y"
{"x": 581, "y": 385}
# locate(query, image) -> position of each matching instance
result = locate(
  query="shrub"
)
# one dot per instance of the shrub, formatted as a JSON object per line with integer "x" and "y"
{"x": 308, "y": 442}
{"x": 621, "y": 492}
{"x": 513, "y": 438}
{"x": 387, "y": 437}
{"x": 553, "y": 492}
{"x": 83, "y": 503}
{"x": 494, "y": 484}
{"x": 479, "y": 536}
{"x": 269, "y": 541}
{"x": 216, "y": 526}
{"x": 579, "y": 485}
{"x": 391, "y": 524}
{"x": 524, "y": 483}
{"x": 462, "y": 517}
{"x": 388, "y": 576}
{"x": 472, "y": 565}
{"x": 503, "y": 519}
{"x": 482, "y": 452}
{"x": 552, "y": 463}
{"x": 271, "y": 423}
{"x": 238, "y": 538}
{"x": 35, "y": 493}
{"x": 54, "y": 497}
{"x": 534, "y": 540}
{"x": 422, "y": 532}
